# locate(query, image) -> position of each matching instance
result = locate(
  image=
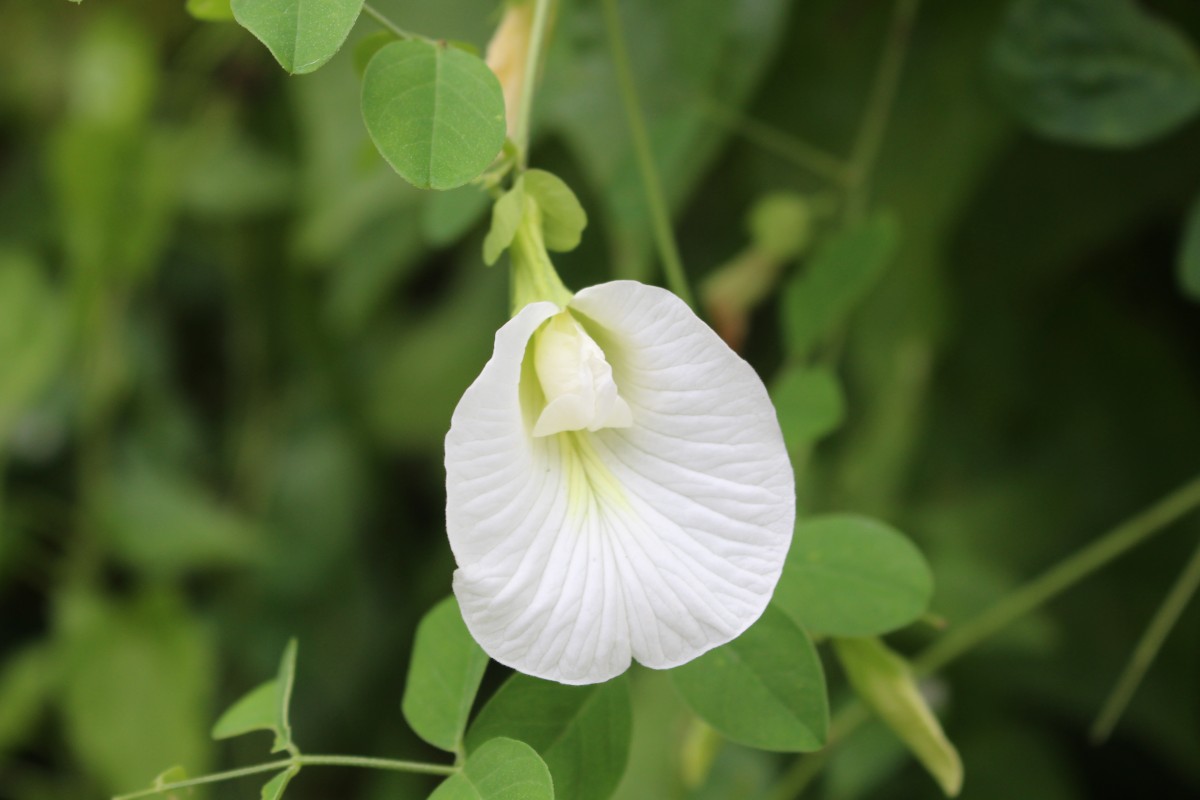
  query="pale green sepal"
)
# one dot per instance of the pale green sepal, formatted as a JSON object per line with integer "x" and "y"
{"x": 563, "y": 217}
{"x": 506, "y": 219}
{"x": 885, "y": 683}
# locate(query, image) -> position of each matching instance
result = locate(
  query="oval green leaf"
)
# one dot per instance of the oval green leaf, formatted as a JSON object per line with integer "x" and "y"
{"x": 443, "y": 677}
{"x": 501, "y": 769}
{"x": 436, "y": 113}
{"x": 582, "y": 732}
{"x": 848, "y": 575}
{"x": 765, "y": 689}
{"x": 264, "y": 708}
{"x": 301, "y": 34}
{"x": 885, "y": 683}
{"x": 1095, "y": 72}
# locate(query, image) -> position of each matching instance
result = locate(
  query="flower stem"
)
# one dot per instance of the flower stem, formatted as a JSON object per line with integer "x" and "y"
{"x": 297, "y": 761}
{"x": 533, "y": 61}
{"x": 879, "y": 106}
{"x": 1147, "y": 648}
{"x": 386, "y": 23}
{"x": 660, "y": 215}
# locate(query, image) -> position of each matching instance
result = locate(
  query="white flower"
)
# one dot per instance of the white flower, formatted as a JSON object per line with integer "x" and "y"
{"x": 617, "y": 487}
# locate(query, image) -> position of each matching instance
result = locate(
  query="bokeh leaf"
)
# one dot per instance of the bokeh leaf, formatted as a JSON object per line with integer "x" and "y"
{"x": 809, "y": 403}
{"x": 1095, "y": 72}
{"x": 884, "y": 681}
{"x": 849, "y": 575}
{"x": 1189, "y": 253}
{"x": 443, "y": 677}
{"x": 501, "y": 769}
{"x": 765, "y": 689}
{"x": 435, "y": 112}
{"x": 301, "y": 34}
{"x": 582, "y": 732}
{"x": 210, "y": 10}
{"x": 136, "y": 687}
{"x": 834, "y": 281}
{"x": 28, "y": 679}
{"x": 34, "y": 332}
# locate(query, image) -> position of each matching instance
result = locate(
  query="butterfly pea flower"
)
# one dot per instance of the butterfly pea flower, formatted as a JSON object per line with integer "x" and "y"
{"x": 617, "y": 484}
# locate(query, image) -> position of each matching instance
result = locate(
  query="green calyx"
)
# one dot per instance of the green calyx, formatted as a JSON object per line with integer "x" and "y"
{"x": 533, "y": 275}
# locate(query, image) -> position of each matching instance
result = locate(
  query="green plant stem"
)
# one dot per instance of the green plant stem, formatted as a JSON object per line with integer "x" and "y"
{"x": 790, "y": 148}
{"x": 660, "y": 214}
{"x": 387, "y": 24}
{"x": 533, "y": 63}
{"x": 363, "y": 762}
{"x": 1111, "y": 545}
{"x": 879, "y": 106}
{"x": 1147, "y": 648}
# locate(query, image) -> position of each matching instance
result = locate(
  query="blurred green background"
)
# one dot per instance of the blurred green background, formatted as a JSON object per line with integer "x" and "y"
{"x": 231, "y": 340}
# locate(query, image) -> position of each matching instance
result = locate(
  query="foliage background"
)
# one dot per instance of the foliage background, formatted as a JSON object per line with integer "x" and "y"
{"x": 231, "y": 340}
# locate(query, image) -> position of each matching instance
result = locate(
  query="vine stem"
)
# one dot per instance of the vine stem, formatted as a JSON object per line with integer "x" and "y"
{"x": 791, "y": 148}
{"x": 660, "y": 215}
{"x": 879, "y": 107}
{"x": 386, "y": 23}
{"x": 364, "y": 762}
{"x": 1143, "y": 655}
{"x": 1116, "y": 542}
{"x": 533, "y": 62}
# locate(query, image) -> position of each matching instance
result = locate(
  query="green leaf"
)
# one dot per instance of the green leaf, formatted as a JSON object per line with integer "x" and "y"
{"x": 809, "y": 403}
{"x": 435, "y": 112}
{"x": 275, "y": 787}
{"x": 443, "y": 677}
{"x": 506, "y": 218}
{"x": 582, "y": 732}
{"x": 837, "y": 277}
{"x": 255, "y": 711}
{"x": 765, "y": 689}
{"x": 286, "y": 680}
{"x": 1189, "y": 254}
{"x": 563, "y": 217}
{"x": 848, "y": 575}
{"x": 210, "y": 10}
{"x": 264, "y": 708}
{"x": 1095, "y": 72}
{"x": 301, "y": 34}
{"x": 501, "y": 769}
{"x": 885, "y": 683}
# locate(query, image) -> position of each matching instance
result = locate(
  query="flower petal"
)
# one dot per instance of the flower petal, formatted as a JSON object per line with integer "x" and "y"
{"x": 658, "y": 541}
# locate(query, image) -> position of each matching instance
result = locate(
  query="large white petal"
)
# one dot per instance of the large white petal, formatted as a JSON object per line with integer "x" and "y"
{"x": 658, "y": 541}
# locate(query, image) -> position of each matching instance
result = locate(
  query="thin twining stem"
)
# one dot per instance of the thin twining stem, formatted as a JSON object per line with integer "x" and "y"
{"x": 879, "y": 106}
{"x": 791, "y": 148}
{"x": 386, "y": 23}
{"x": 660, "y": 214}
{"x": 1147, "y": 648}
{"x": 364, "y": 762}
